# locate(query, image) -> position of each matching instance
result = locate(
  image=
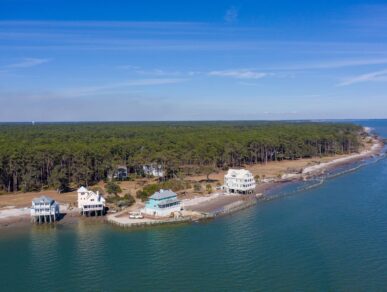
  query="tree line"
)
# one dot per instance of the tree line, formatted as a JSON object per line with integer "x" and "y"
{"x": 59, "y": 155}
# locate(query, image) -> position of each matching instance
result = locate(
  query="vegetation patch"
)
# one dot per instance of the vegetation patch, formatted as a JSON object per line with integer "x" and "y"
{"x": 62, "y": 155}
{"x": 121, "y": 202}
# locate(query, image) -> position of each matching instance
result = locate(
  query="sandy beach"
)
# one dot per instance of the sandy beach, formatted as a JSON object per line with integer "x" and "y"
{"x": 13, "y": 217}
{"x": 374, "y": 150}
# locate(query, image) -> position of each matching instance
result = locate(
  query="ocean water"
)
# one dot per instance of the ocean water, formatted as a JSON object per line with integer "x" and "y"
{"x": 331, "y": 237}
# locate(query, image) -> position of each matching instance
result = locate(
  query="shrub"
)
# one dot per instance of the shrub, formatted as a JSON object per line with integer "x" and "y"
{"x": 173, "y": 184}
{"x": 197, "y": 187}
{"x": 125, "y": 201}
{"x": 113, "y": 188}
{"x": 143, "y": 195}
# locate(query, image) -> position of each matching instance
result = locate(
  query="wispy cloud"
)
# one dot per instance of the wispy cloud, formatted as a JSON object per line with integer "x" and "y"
{"x": 108, "y": 88}
{"x": 372, "y": 76}
{"x": 159, "y": 72}
{"x": 231, "y": 14}
{"x": 369, "y": 17}
{"x": 27, "y": 63}
{"x": 129, "y": 88}
{"x": 128, "y": 67}
{"x": 103, "y": 24}
{"x": 341, "y": 63}
{"x": 165, "y": 36}
{"x": 239, "y": 74}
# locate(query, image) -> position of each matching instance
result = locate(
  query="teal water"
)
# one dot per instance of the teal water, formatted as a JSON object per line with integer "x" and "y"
{"x": 333, "y": 237}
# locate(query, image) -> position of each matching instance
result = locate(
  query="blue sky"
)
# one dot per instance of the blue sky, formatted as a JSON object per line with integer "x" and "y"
{"x": 192, "y": 60}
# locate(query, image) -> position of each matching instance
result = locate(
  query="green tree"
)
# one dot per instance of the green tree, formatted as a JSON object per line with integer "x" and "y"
{"x": 197, "y": 187}
{"x": 59, "y": 155}
{"x": 58, "y": 179}
{"x": 113, "y": 188}
{"x": 209, "y": 188}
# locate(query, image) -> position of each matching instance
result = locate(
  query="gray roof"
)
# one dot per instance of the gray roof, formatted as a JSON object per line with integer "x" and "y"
{"x": 43, "y": 199}
{"x": 163, "y": 194}
{"x": 168, "y": 201}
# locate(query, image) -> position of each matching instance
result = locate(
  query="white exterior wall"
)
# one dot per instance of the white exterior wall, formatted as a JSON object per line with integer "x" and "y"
{"x": 44, "y": 209}
{"x": 90, "y": 201}
{"x": 153, "y": 171}
{"x": 165, "y": 212}
{"x": 239, "y": 181}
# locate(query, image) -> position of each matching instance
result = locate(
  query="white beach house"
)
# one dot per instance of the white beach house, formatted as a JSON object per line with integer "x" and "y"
{"x": 239, "y": 181}
{"x": 44, "y": 210}
{"x": 90, "y": 202}
{"x": 162, "y": 204}
{"x": 153, "y": 170}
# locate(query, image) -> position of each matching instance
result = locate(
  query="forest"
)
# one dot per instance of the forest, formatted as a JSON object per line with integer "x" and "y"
{"x": 64, "y": 155}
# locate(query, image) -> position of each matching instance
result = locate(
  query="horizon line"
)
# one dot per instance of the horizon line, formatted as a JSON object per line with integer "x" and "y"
{"x": 174, "y": 121}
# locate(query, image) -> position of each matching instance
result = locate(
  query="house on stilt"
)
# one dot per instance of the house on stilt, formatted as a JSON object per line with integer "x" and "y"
{"x": 44, "y": 210}
{"x": 239, "y": 181}
{"x": 90, "y": 203}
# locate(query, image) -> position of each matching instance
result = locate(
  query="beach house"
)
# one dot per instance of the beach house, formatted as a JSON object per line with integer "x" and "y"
{"x": 153, "y": 170}
{"x": 162, "y": 203}
{"x": 120, "y": 173}
{"x": 239, "y": 181}
{"x": 44, "y": 210}
{"x": 90, "y": 203}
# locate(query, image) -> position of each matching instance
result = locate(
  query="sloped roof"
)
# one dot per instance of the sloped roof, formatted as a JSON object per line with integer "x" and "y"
{"x": 238, "y": 173}
{"x": 82, "y": 190}
{"x": 163, "y": 194}
{"x": 169, "y": 201}
{"x": 43, "y": 199}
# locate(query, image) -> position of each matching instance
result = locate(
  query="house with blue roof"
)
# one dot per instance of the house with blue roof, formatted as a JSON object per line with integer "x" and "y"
{"x": 44, "y": 209}
{"x": 162, "y": 204}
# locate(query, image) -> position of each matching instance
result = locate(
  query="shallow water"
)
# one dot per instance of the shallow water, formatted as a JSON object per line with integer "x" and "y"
{"x": 332, "y": 237}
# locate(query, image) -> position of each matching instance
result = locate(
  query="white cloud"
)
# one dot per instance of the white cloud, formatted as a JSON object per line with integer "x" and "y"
{"x": 128, "y": 67}
{"x": 158, "y": 72}
{"x": 239, "y": 74}
{"x": 373, "y": 76}
{"x": 107, "y": 88}
{"x": 337, "y": 64}
{"x": 28, "y": 62}
{"x": 231, "y": 14}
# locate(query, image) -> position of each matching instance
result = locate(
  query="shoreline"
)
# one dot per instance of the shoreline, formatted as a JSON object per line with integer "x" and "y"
{"x": 375, "y": 150}
{"x": 197, "y": 208}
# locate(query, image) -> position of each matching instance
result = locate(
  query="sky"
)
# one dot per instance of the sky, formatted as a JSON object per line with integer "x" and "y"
{"x": 192, "y": 60}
